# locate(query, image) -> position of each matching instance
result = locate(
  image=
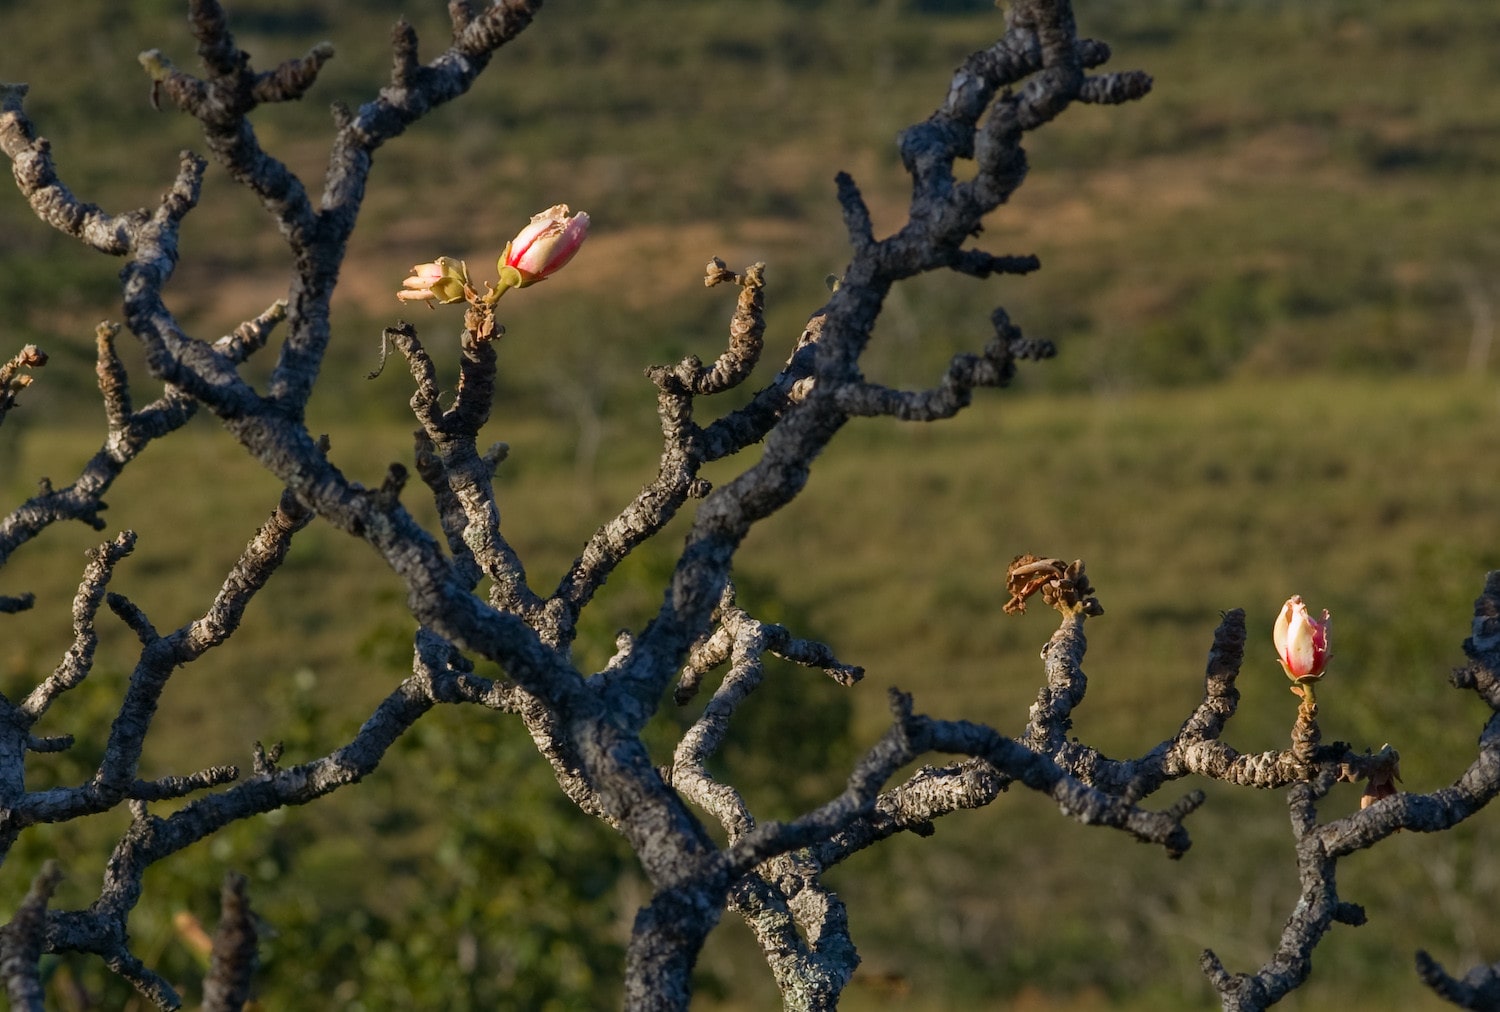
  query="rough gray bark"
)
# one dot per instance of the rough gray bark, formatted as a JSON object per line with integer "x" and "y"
{"x": 587, "y": 724}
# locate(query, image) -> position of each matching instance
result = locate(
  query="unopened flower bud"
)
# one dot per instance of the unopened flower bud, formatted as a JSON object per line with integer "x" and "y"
{"x": 1301, "y": 642}
{"x": 542, "y": 247}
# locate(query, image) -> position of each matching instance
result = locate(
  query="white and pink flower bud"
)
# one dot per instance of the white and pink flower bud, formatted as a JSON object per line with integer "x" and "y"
{"x": 1301, "y": 642}
{"x": 542, "y": 247}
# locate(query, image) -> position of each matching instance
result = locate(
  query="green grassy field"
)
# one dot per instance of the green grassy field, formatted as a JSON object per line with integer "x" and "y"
{"x": 1364, "y": 496}
{"x": 1268, "y": 283}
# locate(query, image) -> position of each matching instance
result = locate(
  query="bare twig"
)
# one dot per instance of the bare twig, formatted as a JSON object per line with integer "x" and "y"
{"x": 227, "y": 986}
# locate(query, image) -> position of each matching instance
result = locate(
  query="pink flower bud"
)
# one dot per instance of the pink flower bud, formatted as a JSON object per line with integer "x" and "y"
{"x": 444, "y": 280}
{"x": 542, "y": 247}
{"x": 1301, "y": 641}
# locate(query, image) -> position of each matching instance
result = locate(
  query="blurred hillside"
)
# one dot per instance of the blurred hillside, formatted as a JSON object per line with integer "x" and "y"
{"x": 1307, "y": 187}
{"x": 1272, "y": 284}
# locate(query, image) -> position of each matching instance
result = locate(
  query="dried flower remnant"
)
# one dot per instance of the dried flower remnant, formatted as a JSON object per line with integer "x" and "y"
{"x": 13, "y": 380}
{"x": 1382, "y": 781}
{"x": 1064, "y": 586}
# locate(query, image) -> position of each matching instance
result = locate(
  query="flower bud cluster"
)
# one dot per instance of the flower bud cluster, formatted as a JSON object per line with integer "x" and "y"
{"x": 536, "y": 253}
